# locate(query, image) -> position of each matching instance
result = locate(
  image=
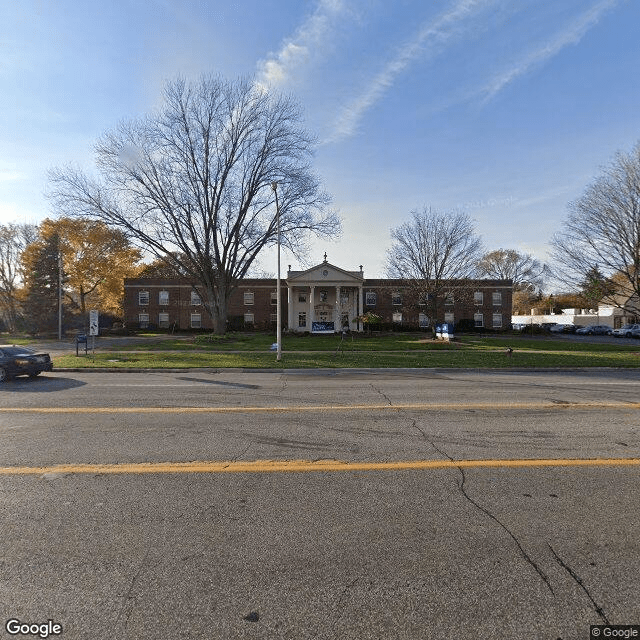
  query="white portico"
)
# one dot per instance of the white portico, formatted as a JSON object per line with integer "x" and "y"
{"x": 324, "y": 299}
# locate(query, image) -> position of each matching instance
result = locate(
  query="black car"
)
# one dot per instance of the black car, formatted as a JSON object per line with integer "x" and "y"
{"x": 20, "y": 361}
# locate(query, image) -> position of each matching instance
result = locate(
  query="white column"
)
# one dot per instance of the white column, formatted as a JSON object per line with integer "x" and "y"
{"x": 290, "y": 308}
{"x": 360, "y": 306}
{"x": 337, "y": 320}
{"x": 311, "y": 303}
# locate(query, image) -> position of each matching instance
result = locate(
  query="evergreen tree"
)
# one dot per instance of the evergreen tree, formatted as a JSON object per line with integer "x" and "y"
{"x": 41, "y": 268}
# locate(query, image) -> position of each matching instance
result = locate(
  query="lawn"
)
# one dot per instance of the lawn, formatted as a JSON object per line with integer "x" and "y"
{"x": 398, "y": 350}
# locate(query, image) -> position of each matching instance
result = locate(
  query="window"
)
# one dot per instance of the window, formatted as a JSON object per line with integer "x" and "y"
{"x": 396, "y": 299}
{"x": 273, "y": 317}
{"x": 478, "y": 297}
{"x": 274, "y": 297}
{"x": 448, "y": 298}
{"x": 497, "y": 298}
{"x": 163, "y": 320}
{"x": 163, "y": 298}
{"x": 302, "y": 320}
{"x": 196, "y": 321}
{"x": 248, "y": 318}
{"x": 344, "y": 297}
{"x": 323, "y": 296}
{"x": 371, "y": 299}
{"x": 143, "y": 320}
{"x": 449, "y": 318}
{"x": 478, "y": 320}
{"x": 196, "y": 300}
{"x": 397, "y": 317}
{"x": 497, "y": 321}
{"x": 302, "y": 297}
{"x": 423, "y": 320}
{"x": 248, "y": 297}
{"x": 143, "y": 299}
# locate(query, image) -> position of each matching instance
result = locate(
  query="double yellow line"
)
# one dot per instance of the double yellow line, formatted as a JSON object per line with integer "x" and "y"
{"x": 423, "y": 406}
{"x": 289, "y": 466}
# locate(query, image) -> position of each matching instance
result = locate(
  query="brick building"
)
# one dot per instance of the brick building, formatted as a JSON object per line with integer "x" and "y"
{"x": 322, "y": 299}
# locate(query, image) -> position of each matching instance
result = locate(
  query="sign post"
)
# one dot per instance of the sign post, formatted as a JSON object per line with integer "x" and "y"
{"x": 93, "y": 326}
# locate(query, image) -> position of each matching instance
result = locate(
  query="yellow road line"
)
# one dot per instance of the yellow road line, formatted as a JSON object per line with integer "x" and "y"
{"x": 286, "y": 466}
{"x": 440, "y": 406}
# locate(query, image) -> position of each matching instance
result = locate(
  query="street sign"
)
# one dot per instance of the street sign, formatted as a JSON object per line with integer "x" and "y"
{"x": 93, "y": 322}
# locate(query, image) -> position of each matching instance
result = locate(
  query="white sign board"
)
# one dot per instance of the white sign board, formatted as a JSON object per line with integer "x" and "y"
{"x": 93, "y": 322}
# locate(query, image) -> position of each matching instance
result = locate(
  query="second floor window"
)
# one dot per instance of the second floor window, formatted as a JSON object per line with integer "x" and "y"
{"x": 143, "y": 298}
{"x": 274, "y": 297}
{"x": 497, "y": 298}
{"x": 396, "y": 299}
{"x": 196, "y": 300}
{"x": 371, "y": 299}
{"x": 478, "y": 298}
{"x": 163, "y": 297}
{"x": 248, "y": 297}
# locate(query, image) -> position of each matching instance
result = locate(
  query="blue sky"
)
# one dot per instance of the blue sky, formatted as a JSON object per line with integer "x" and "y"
{"x": 503, "y": 108}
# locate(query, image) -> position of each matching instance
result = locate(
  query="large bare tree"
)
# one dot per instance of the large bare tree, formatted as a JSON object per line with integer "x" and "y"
{"x": 14, "y": 238}
{"x": 527, "y": 273}
{"x": 602, "y": 232}
{"x": 523, "y": 269}
{"x": 435, "y": 252}
{"x": 192, "y": 184}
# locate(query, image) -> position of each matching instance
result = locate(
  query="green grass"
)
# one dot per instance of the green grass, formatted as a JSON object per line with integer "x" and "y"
{"x": 383, "y": 351}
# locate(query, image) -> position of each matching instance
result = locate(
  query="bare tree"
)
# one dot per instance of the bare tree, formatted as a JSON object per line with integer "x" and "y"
{"x": 192, "y": 184}
{"x": 525, "y": 271}
{"x": 602, "y": 231}
{"x": 435, "y": 252}
{"x": 14, "y": 238}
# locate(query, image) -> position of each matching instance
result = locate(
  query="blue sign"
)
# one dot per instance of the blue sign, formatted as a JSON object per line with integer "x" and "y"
{"x": 322, "y": 327}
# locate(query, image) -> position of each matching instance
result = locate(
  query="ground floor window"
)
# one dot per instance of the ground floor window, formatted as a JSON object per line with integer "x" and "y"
{"x": 248, "y": 318}
{"x": 163, "y": 320}
{"x": 273, "y": 317}
{"x": 449, "y": 318}
{"x": 143, "y": 320}
{"x": 302, "y": 320}
{"x": 497, "y": 321}
{"x": 397, "y": 317}
{"x": 423, "y": 320}
{"x": 196, "y": 320}
{"x": 478, "y": 320}
{"x": 344, "y": 322}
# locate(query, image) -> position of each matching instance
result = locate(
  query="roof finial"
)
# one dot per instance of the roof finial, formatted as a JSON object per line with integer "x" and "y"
{"x": 325, "y": 256}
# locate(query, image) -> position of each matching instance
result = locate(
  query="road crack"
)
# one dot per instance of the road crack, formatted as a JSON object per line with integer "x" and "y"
{"x": 488, "y": 513}
{"x": 382, "y": 393}
{"x": 127, "y": 596}
{"x": 580, "y": 583}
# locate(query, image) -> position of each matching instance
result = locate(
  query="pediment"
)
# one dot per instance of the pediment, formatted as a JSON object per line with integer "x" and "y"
{"x": 325, "y": 273}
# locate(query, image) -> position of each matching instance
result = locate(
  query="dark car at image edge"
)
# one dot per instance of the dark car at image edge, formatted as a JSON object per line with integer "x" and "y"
{"x": 21, "y": 361}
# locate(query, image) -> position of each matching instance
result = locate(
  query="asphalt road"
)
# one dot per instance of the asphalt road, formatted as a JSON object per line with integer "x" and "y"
{"x": 131, "y": 539}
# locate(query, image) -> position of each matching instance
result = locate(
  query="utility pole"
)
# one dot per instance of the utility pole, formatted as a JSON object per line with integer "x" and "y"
{"x": 59, "y": 295}
{"x": 274, "y": 186}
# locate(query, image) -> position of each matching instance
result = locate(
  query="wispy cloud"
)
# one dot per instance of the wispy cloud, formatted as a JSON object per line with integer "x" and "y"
{"x": 428, "y": 41}
{"x": 309, "y": 39}
{"x": 569, "y": 36}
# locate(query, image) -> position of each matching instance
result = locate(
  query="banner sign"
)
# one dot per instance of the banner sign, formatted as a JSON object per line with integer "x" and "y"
{"x": 322, "y": 327}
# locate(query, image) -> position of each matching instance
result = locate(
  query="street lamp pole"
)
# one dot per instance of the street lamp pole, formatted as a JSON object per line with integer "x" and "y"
{"x": 59, "y": 295}
{"x": 274, "y": 186}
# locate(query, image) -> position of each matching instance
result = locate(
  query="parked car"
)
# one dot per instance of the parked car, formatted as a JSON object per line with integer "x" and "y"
{"x": 595, "y": 330}
{"x": 627, "y": 331}
{"x": 20, "y": 361}
{"x": 562, "y": 328}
